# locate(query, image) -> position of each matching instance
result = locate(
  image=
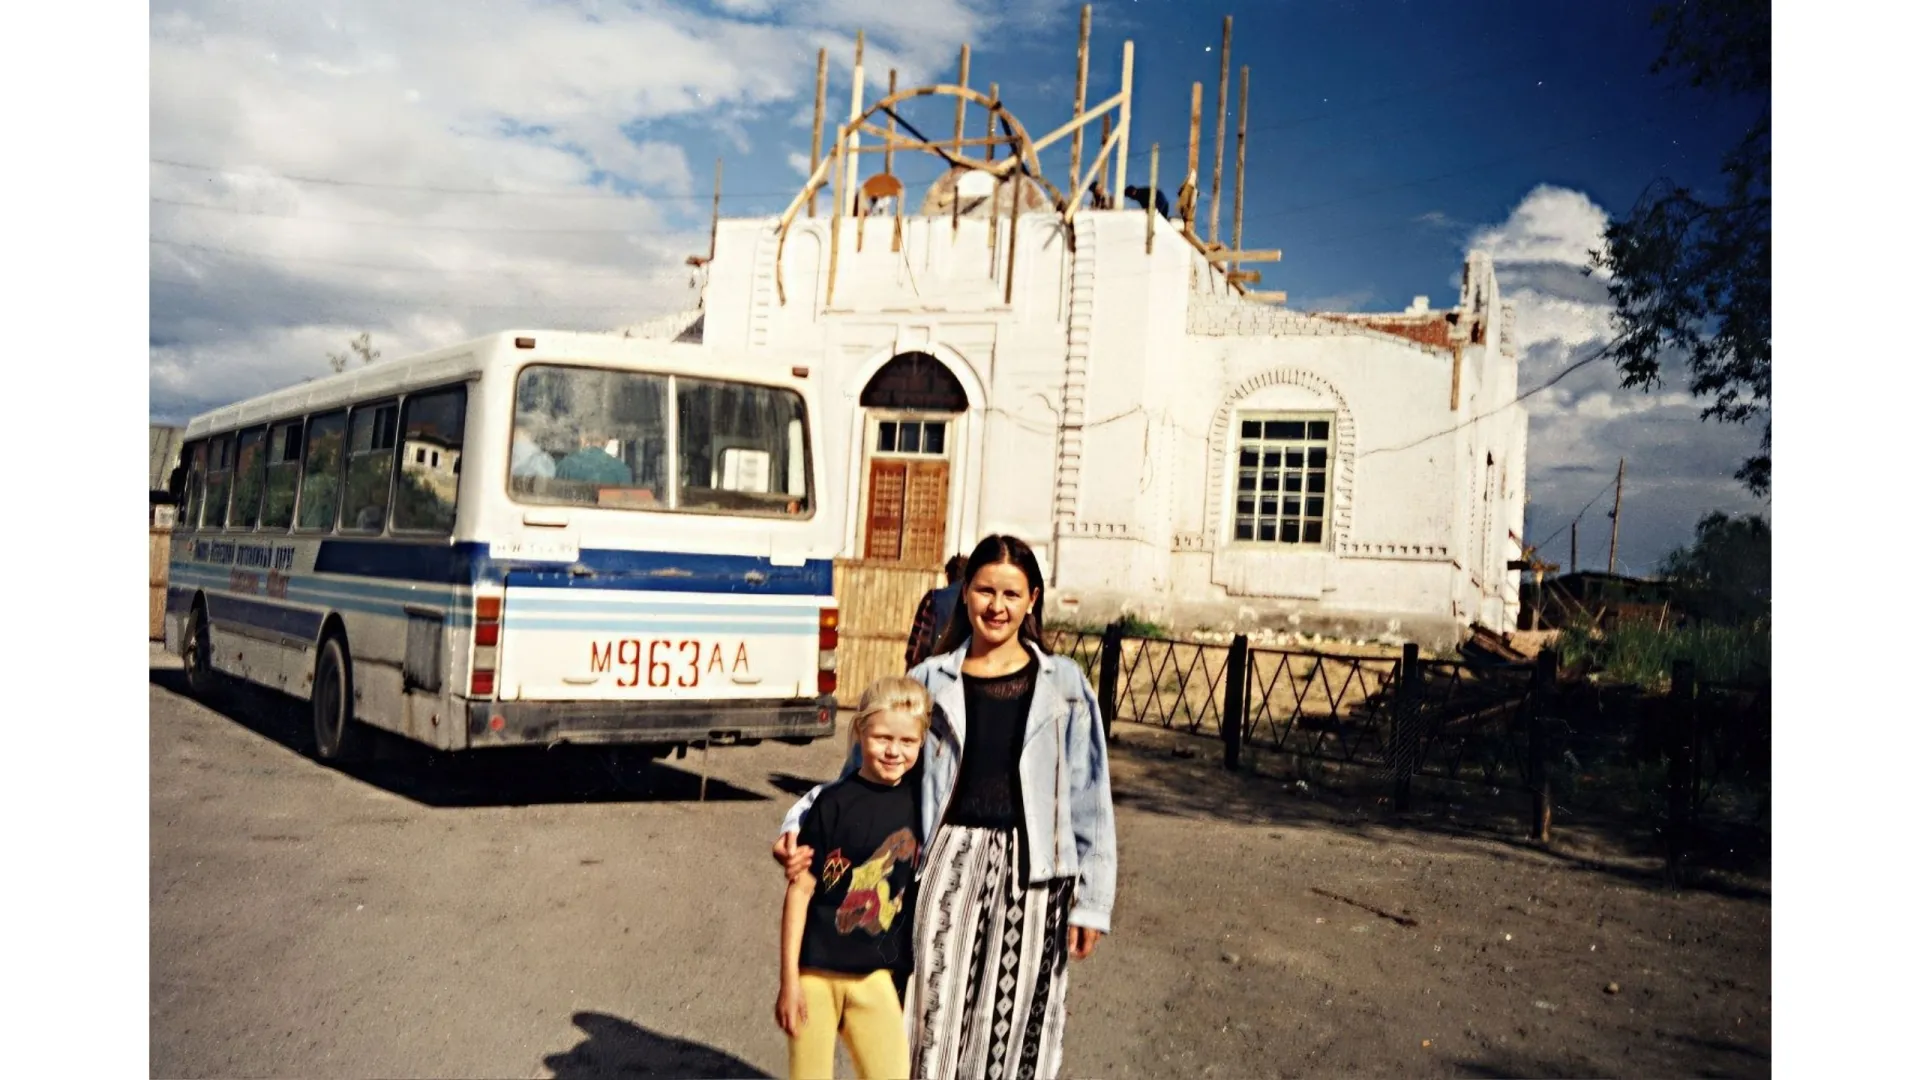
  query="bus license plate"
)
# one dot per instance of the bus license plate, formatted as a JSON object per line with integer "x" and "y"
{"x": 669, "y": 662}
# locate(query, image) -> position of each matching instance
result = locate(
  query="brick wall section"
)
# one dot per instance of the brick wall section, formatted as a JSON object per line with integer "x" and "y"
{"x": 1208, "y": 317}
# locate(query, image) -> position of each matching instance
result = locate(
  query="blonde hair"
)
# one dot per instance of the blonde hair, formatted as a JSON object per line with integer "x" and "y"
{"x": 896, "y": 694}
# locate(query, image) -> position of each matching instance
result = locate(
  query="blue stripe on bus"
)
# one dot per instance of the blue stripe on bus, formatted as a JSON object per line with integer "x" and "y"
{"x": 264, "y": 615}
{"x": 519, "y": 603}
{"x": 468, "y": 562}
{"x": 652, "y": 627}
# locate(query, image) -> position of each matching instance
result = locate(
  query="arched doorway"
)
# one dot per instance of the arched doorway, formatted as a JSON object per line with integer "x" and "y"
{"x": 911, "y": 408}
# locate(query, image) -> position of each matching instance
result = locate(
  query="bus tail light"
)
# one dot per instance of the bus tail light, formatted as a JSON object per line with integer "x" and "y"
{"x": 829, "y": 642}
{"x": 486, "y": 644}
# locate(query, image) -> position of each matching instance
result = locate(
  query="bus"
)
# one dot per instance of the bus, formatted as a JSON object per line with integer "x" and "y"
{"x": 532, "y": 538}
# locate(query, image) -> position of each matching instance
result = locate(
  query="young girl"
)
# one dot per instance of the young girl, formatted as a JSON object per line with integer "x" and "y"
{"x": 847, "y": 928}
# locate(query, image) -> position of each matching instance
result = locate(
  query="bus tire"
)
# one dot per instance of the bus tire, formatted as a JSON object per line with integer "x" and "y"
{"x": 337, "y": 736}
{"x": 196, "y": 654}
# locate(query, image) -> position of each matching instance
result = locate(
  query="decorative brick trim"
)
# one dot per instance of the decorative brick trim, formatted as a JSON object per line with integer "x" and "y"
{"x": 1220, "y": 444}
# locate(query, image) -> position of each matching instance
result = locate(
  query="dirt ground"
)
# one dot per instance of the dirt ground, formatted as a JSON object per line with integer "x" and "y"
{"x": 415, "y": 919}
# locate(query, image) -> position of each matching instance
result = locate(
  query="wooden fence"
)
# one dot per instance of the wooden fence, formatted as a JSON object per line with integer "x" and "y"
{"x": 877, "y": 602}
{"x": 159, "y": 545}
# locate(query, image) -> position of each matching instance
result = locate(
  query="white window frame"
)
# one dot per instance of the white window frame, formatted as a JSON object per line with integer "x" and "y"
{"x": 1306, "y": 472}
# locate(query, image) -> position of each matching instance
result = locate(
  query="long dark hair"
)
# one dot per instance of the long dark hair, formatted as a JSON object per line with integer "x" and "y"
{"x": 993, "y": 551}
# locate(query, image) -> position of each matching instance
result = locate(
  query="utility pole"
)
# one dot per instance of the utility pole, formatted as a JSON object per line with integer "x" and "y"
{"x": 1619, "y": 478}
{"x": 1573, "y": 557}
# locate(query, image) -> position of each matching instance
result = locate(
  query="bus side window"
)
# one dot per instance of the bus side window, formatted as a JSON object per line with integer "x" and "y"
{"x": 195, "y": 458}
{"x": 429, "y": 487}
{"x": 249, "y": 480}
{"x": 320, "y": 482}
{"x": 283, "y": 475}
{"x": 219, "y": 481}
{"x": 370, "y": 451}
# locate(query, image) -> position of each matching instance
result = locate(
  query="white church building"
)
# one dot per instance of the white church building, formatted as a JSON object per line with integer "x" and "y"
{"x": 1170, "y": 445}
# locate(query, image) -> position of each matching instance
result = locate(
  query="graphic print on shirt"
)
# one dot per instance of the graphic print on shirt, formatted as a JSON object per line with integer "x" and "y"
{"x": 870, "y": 902}
{"x": 835, "y": 869}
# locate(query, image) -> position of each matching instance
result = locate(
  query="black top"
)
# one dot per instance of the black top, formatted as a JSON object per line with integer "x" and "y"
{"x": 987, "y": 792}
{"x": 865, "y": 840}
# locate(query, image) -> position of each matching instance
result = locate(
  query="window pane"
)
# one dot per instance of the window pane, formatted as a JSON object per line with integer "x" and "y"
{"x": 1310, "y": 532}
{"x": 1316, "y": 481}
{"x": 1316, "y": 508}
{"x": 283, "y": 475}
{"x": 1291, "y": 507}
{"x": 1272, "y": 429}
{"x": 1317, "y": 429}
{"x": 1273, "y": 459}
{"x": 1243, "y": 506}
{"x": 910, "y": 438}
{"x": 1249, "y": 458}
{"x": 370, "y": 443}
{"x": 743, "y": 448}
{"x": 936, "y": 437}
{"x": 1269, "y": 506}
{"x": 1293, "y": 481}
{"x": 889, "y": 436}
{"x": 1270, "y": 482}
{"x": 249, "y": 480}
{"x": 1250, "y": 429}
{"x": 219, "y": 481}
{"x": 585, "y": 437}
{"x": 320, "y": 484}
{"x": 1248, "y": 479}
{"x": 1295, "y": 459}
{"x": 1266, "y": 530}
{"x": 1293, "y": 429}
{"x": 1243, "y": 528}
{"x": 1316, "y": 458}
{"x": 433, "y": 432}
{"x": 196, "y": 484}
{"x": 1289, "y": 531}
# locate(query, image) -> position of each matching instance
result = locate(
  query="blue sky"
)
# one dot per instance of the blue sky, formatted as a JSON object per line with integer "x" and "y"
{"x": 430, "y": 172}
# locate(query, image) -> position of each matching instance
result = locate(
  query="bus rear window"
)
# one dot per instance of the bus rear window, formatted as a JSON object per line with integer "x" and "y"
{"x": 592, "y": 437}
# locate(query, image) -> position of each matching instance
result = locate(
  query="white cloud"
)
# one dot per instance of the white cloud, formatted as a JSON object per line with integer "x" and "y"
{"x": 1580, "y": 428}
{"x": 334, "y": 154}
{"x": 1551, "y": 225}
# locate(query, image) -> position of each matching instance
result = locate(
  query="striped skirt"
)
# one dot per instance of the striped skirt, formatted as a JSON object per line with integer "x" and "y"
{"x": 990, "y": 962}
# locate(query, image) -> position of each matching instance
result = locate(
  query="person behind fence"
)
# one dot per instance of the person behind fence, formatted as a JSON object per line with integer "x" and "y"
{"x": 1020, "y": 866}
{"x": 935, "y": 612}
{"x": 846, "y": 931}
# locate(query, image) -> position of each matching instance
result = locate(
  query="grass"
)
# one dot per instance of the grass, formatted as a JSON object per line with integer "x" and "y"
{"x": 1642, "y": 655}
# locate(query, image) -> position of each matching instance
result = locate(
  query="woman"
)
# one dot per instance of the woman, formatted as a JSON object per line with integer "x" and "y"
{"x": 1019, "y": 871}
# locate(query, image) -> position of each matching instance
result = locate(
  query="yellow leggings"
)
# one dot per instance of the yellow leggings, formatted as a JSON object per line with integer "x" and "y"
{"x": 865, "y": 1010}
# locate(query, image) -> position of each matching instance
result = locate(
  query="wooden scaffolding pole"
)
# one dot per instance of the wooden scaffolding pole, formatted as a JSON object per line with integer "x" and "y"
{"x": 1080, "y": 96}
{"x": 819, "y": 116}
{"x": 1153, "y": 183}
{"x": 850, "y": 189}
{"x": 1240, "y": 169}
{"x": 1220, "y": 133}
{"x": 993, "y": 202}
{"x": 960, "y": 129}
{"x": 1126, "y": 125}
{"x": 1104, "y": 198}
{"x": 1190, "y": 187}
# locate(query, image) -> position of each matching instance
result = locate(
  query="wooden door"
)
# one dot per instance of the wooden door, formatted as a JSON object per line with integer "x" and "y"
{"x": 907, "y": 511}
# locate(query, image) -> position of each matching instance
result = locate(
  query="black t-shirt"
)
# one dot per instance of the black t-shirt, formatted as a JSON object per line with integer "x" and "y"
{"x": 866, "y": 843}
{"x": 986, "y": 794}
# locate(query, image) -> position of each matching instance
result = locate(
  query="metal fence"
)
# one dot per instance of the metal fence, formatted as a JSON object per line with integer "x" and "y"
{"x": 1695, "y": 757}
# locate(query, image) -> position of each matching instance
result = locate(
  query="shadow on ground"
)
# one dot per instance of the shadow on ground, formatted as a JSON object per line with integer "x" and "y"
{"x": 618, "y": 1048}
{"x": 493, "y": 777}
{"x": 1175, "y": 774}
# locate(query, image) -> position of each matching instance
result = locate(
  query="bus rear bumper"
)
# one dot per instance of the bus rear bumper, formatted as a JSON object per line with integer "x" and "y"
{"x": 522, "y": 723}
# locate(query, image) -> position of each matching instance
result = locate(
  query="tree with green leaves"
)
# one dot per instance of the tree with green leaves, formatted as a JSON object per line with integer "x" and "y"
{"x": 1726, "y": 575}
{"x": 1691, "y": 273}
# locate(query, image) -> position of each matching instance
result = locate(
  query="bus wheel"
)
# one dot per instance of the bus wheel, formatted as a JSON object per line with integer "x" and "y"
{"x": 336, "y": 735}
{"x": 197, "y": 656}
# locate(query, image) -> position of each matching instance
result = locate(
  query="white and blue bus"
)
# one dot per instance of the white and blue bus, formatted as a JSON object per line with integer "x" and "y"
{"x": 532, "y": 538}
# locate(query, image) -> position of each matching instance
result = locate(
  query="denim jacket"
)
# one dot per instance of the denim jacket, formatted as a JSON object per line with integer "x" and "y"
{"x": 1063, "y": 778}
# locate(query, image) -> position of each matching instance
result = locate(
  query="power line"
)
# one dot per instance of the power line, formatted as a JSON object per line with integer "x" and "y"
{"x": 381, "y": 224}
{"x": 1569, "y": 524}
{"x": 442, "y": 190}
{"x": 272, "y": 257}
